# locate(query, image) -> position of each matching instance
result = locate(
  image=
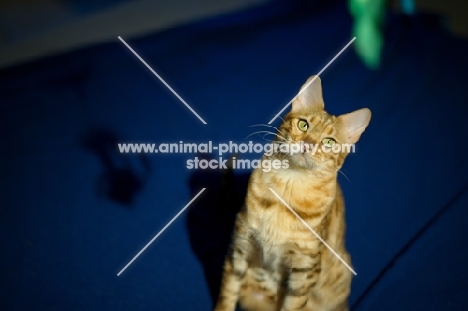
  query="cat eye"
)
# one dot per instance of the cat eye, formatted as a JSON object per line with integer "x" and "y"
{"x": 328, "y": 142}
{"x": 302, "y": 125}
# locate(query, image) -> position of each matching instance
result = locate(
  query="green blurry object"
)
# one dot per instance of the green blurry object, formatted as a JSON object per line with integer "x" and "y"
{"x": 368, "y": 18}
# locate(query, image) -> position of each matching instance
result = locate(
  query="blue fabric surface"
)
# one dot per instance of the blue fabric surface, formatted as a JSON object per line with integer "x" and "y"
{"x": 63, "y": 239}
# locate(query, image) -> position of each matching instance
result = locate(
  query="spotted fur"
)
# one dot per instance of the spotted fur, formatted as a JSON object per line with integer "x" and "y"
{"x": 275, "y": 262}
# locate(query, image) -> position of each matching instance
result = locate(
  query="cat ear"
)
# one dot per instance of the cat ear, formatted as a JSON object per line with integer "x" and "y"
{"x": 354, "y": 124}
{"x": 310, "y": 95}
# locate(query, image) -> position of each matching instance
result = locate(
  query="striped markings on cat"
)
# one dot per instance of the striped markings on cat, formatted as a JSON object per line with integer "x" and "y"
{"x": 310, "y": 82}
{"x": 313, "y": 231}
{"x": 160, "y": 232}
{"x": 162, "y": 80}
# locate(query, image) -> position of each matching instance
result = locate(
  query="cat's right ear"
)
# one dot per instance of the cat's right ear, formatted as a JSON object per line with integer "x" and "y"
{"x": 310, "y": 96}
{"x": 354, "y": 123}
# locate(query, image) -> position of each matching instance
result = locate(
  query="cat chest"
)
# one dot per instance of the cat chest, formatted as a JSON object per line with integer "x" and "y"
{"x": 278, "y": 236}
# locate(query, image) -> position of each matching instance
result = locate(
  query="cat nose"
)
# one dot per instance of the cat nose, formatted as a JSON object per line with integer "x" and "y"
{"x": 295, "y": 148}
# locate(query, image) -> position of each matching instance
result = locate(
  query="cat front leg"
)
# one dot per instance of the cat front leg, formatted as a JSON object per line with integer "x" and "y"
{"x": 235, "y": 269}
{"x": 303, "y": 276}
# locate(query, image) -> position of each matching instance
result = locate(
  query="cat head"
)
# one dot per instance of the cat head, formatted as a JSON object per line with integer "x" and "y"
{"x": 322, "y": 141}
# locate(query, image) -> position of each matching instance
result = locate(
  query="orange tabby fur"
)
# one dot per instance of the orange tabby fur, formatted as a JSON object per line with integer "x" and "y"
{"x": 275, "y": 262}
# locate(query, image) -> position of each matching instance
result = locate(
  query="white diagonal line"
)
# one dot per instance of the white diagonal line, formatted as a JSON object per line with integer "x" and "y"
{"x": 312, "y": 230}
{"x": 162, "y": 80}
{"x": 162, "y": 230}
{"x": 320, "y": 72}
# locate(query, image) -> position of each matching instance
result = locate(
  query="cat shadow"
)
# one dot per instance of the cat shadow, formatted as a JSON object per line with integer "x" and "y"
{"x": 120, "y": 180}
{"x": 210, "y": 219}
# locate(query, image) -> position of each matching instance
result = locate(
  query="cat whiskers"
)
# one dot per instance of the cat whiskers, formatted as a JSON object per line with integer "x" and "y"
{"x": 337, "y": 169}
{"x": 280, "y": 140}
{"x": 340, "y": 171}
{"x": 280, "y": 118}
{"x": 267, "y": 133}
{"x": 267, "y": 125}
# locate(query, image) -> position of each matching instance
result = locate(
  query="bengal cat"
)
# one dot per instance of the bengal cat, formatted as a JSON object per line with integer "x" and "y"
{"x": 274, "y": 261}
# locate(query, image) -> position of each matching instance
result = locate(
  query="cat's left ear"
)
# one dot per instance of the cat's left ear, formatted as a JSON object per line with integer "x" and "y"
{"x": 354, "y": 123}
{"x": 310, "y": 95}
